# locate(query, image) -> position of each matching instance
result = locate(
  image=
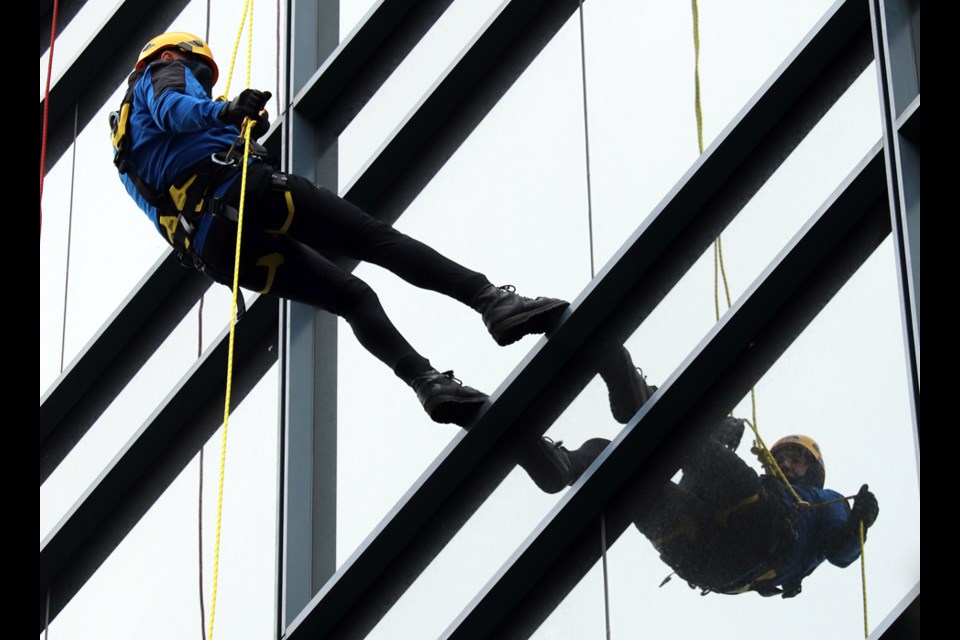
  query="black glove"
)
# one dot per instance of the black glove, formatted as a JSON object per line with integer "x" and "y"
{"x": 729, "y": 431}
{"x": 865, "y": 508}
{"x": 260, "y": 126}
{"x": 248, "y": 104}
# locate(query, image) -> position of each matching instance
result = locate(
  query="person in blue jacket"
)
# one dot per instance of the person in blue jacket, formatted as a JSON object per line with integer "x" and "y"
{"x": 178, "y": 153}
{"x": 723, "y": 527}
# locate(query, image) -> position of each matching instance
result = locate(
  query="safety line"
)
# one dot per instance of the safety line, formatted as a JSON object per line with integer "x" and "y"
{"x": 770, "y": 463}
{"x": 245, "y": 129}
{"x": 760, "y": 448}
{"x": 236, "y": 46}
{"x": 66, "y": 274}
{"x": 696, "y": 74}
{"x": 203, "y": 614}
{"x": 593, "y": 273}
{"x": 606, "y": 587}
{"x": 46, "y": 107}
{"x": 719, "y": 270}
{"x": 586, "y": 137}
{"x": 863, "y": 580}
{"x": 719, "y": 267}
{"x": 277, "y": 70}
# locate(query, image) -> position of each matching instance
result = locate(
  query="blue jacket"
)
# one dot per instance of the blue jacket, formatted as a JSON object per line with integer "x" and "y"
{"x": 173, "y": 125}
{"x": 818, "y": 534}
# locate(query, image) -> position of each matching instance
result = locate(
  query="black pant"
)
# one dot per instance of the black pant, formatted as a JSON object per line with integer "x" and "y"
{"x": 288, "y": 220}
{"x": 718, "y": 527}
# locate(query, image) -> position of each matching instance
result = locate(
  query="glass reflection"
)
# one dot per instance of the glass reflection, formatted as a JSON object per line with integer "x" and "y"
{"x": 511, "y": 510}
{"x": 716, "y": 516}
{"x": 724, "y": 527}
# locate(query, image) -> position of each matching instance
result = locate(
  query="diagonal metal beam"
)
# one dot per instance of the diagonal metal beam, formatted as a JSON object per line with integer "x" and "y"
{"x": 102, "y": 66}
{"x": 720, "y": 371}
{"x": 904, "y": 621}
{"x": 351, "y": 75}
{"x": 749, "y": 150}
{"x": 493, "y": 49}
{"x": 133, "y": 481}
{"x": 83, "y": 391}
{"x": 111, "y": 358}
{"x": 66, "y": 12}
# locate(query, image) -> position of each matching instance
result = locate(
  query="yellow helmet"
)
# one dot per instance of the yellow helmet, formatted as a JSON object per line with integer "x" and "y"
{"x": 186, "y": 42}
{"x": 809, "y": 445}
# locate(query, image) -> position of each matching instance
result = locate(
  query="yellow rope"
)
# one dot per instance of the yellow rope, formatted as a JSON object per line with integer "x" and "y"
{"x": 236, "y": 46}
{"x": 245, "y": 128}
{"x": 770, "y": 463}
{"x": 720, "y": 271}
{"x": 696, "y": 74}
{"x": 719, "y": 267}
{"x": 863, "y": 580}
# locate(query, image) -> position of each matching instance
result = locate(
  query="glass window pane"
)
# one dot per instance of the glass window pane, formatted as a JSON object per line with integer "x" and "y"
{"x": 412, "y": 78}
{"x": 149, "y": 585}
{"x": 544, "y": 224}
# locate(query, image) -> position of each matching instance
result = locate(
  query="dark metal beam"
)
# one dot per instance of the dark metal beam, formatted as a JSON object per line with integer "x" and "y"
{"x": 101, "y": 67}
{"x": 362, "y": 62}
{"x": 904, "y": 622}
{"x": 665, "y": 245}
{"x": 132, "y": 482}
{"x": 713, "y": 378}
{"x": 110, "y": 359}
{"x": 446, "y": 115}
{"x": 909, "y": 122}
{"x": 66, "y": 12}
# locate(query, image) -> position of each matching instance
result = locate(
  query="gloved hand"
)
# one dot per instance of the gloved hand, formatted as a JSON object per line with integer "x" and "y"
{"x": 260, "y": 126}
{"x": 248, "y": 104}
{"x": 865, "y": 508}
{"x": 729, "y": 431}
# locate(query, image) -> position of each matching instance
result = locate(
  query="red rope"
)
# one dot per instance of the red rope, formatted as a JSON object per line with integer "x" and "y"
{"x": 46, "y": 107}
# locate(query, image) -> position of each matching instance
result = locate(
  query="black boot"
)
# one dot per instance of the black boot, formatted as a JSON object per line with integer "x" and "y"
{"x": 553, "y": 467}
{"x": 548, "y": 465}
{"x": 446, "y": 399}
{"x": 626, "y": 386}
{"x": 509, "y": 316}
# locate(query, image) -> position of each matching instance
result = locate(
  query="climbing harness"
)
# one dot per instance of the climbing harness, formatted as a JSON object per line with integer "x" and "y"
{"x": 182, "y": 206}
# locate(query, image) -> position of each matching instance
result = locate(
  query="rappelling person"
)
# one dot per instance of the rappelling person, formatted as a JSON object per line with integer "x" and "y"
{"x": 178, "y": 154}
{"x": 724, "y": 528}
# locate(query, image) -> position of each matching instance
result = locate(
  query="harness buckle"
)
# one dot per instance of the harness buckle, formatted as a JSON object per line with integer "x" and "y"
{"x": 223, "y": 158}
{"x": 187, "y": 225}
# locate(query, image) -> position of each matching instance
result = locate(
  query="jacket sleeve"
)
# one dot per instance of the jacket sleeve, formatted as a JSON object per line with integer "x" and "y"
{"x": 841, "y": 534}
{"x": 177, "y": 102}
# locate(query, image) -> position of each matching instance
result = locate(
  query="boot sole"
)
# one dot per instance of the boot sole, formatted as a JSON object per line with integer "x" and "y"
{"x": 454, "y": 410}
{"x": 538, "y": 321}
